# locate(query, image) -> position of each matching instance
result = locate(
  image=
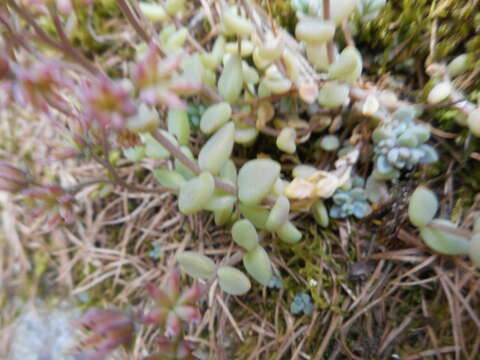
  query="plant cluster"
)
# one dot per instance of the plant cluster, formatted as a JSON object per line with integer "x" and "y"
{"x": 441, "y": 235}
{"x": 173, "y": 306}
{"x": 188, "y": 107}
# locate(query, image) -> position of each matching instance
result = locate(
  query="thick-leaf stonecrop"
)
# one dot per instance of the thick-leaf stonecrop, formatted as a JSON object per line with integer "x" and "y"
{"x": 400, "y": 145}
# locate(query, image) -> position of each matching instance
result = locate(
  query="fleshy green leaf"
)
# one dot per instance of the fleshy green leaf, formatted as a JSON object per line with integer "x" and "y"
{"x": 258, "y": 265}
{"x": 169, "y": 178}
{"x": 422, "y": 207}
{"x": 195, "y": 193}
{"x": 257, "y": 214}
{"x": 215, "y": 117}
{"x": 444, "y": 242}
{"x": 320, "y": 213}
{"x": 178, "y": 125}
{"x": 233, "y": 281}
{"x": 255, "y": 180}
{"x": 230, "y": 83}
{"x": 217, "y": 150}
{"x": 196, "y": 265}
{"x": 279, "y": 214}
{"x": 244, "y": 234}
{"x": 289, "y": 234}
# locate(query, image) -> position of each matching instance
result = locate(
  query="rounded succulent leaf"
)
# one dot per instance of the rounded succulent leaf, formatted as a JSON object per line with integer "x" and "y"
{"x": 244, "y": 234}
{"x": 178, "y": 125}
{"x": 181, "y": 168}
{"x": 196, "y": 265}
{"x": 320, "y": 213}
{"x": 222, "y": 216}
{"x": 440, "y": 92}
{"x": 153, "y": 12}
{"x": 313, "y": 30}
{"x": 444, "y": 242}
{"x": 258, "y": 265}
{"x": 286, "y": 140}
{"x": 405, "y": 114}
{"x": 341, "y": 10}
{"x": 458, "y": 65}
{"x": 230, "y": 83}
{"x": 257, "y": 214}
{"x": 303, "y": 171}
{"x": 235, "y": 23}
{"x": 195, "y": 193}
{"x": 473, "y": 122}
{"x": 233, "y": 281}
{"x": 217, "y": 149}
{"x": 246, "y": 136}
{"x": 429, "y": 154}
{"x": 219, "y": 201}
{"x": 329, "y": 143}
{"x": 169, "y": 178}
{"x": 289, "y": 234}
{"x": 347, "y": 64}
{"x": 422, "y": 207}
{"x": 474, "y": 249}
{"x": 229, "y": 172}
{"x": 333, "y": 94}
{"x": 153, "y": 149}
{"x": 215, "y": 117}
{"x": 255, "y": 180}
{"x": 279, "y": 214}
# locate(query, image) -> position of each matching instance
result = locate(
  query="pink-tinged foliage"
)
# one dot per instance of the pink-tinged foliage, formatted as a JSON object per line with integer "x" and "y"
{"x": 51, "y": 201}
{"x": 154, "y": 77}
{"x": 39, "y": 85}
{"x": 107, "y": 104}
{"x": 110, "y": 329}
{"x": 12, "y": 179}
{"x": 173, "y": 305}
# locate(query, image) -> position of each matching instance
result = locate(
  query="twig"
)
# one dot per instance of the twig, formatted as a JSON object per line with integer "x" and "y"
{"x": 132, "y": 19}
{"x": 326, "y": 16}
{"x": 347, "y": 34}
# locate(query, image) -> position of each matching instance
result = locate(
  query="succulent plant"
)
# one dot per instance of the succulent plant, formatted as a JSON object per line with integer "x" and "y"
{"x": 351, "y": 202}
{"x": 110, "y": 329}
{"x": 302, "y": 303}
{"x": 400, "y": 145}
{"x": 172, "y": 305}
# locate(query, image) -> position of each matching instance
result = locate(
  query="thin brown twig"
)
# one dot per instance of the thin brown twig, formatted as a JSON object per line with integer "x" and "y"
{"x": 326, "y": 17}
